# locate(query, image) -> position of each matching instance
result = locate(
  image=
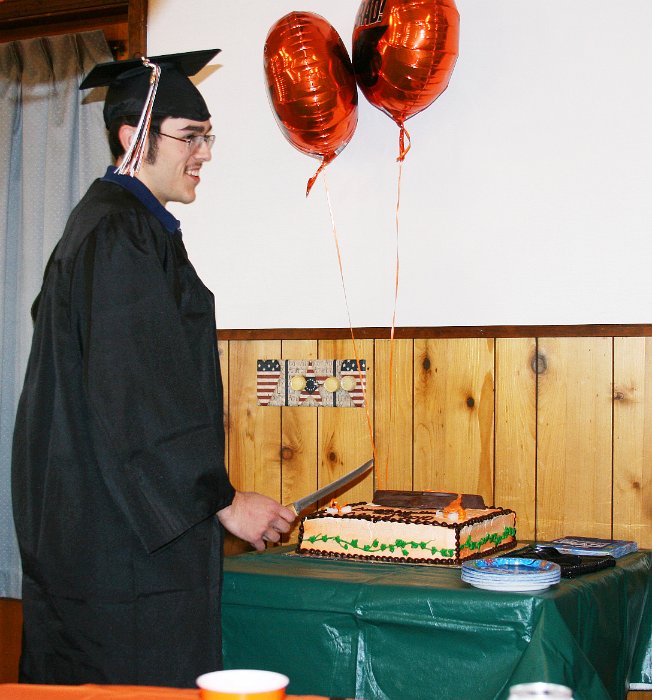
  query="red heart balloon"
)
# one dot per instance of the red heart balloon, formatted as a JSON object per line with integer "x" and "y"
{"x": 311, "y": 84}
{"x": 404, "y": 52}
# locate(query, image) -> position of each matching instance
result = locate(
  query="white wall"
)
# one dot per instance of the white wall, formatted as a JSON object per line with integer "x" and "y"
{"x": 526, "y": 197}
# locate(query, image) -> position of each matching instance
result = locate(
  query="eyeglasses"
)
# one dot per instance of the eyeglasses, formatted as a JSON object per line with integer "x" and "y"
{"x": 194, "y": 143}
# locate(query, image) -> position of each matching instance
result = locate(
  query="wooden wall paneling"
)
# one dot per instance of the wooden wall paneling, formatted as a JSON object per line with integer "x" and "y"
{"x": 574, "y": 433}
{"x": 255, "y": 442}
{"x": 298, "y": 437}
{"x": 223, "y": 353}
{"x": 344, "y": 439}
{"x": 254, "y": 456}
{"x": 429, "y": 419}
{"x": 515, "y": 425}
{"x": 232, "y": 545}
{"x": 393, "y": 415}
{"x": 454, "y": 415}
{"x": 632, "y": 472}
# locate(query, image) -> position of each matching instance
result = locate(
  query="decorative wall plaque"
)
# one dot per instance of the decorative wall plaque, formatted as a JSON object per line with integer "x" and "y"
{"x": 332, "y": 383}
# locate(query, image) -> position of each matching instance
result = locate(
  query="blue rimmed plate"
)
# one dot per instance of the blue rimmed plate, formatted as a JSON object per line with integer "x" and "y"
{"x": 511, "y": 574}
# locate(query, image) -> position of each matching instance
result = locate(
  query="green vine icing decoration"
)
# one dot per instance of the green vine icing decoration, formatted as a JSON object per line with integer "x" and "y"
{"x": 494, "y": 538}
{"x": 377, "y": 546}
{"x": 405, "y": 546}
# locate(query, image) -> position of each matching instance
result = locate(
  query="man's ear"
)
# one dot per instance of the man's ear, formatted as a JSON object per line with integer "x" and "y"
{"x": 125, "y": 134}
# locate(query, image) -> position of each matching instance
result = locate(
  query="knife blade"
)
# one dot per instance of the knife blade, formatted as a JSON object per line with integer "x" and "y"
{"x": 302, "y": 503}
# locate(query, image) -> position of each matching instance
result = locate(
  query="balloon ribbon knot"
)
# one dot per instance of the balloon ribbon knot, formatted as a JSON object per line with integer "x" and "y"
{"x": 326, "y": 160}
{"x": 403, "y": 150}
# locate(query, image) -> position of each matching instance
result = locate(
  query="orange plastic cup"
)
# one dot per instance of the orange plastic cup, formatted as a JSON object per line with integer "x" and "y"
{"x": 242, "y": 684}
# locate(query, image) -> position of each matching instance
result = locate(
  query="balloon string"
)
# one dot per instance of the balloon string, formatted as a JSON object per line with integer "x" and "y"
{"x": 393, "y": 328}
{"x": 403, "y": 150}
{"x": 348, "y": 312}
{"x": 325, "y": 161}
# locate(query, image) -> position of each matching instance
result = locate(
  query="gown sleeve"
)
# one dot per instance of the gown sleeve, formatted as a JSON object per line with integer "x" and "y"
{"x": 158, "y": 433}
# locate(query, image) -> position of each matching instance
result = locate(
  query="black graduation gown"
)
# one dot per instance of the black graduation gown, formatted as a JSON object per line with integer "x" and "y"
{"x": 118, "y": 460}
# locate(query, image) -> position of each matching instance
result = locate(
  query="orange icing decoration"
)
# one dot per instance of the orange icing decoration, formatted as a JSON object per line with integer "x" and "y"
{"x": 334, "y": 505}
{"x": 340, "y": 510}
{"x": 456, "y": 507}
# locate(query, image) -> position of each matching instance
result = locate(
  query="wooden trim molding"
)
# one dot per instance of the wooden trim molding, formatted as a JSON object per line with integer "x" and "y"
{"x": 137, "y": 23}
{"x": 582, "y": 331}
{"x": 23, "y": 12}
{"x": 23, "y": 19}
{"x": 11, "y": 621}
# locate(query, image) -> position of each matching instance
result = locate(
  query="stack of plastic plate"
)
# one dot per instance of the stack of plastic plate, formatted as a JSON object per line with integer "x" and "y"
{"x": 511, "y": 574}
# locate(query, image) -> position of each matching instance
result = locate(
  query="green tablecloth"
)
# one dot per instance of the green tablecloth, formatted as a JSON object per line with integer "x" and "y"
{"x": 403, "y": 632}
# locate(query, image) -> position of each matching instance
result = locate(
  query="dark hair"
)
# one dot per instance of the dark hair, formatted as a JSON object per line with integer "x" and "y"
{"x": 132, "y": 120}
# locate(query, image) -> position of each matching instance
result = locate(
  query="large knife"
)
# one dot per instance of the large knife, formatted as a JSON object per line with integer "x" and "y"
{"x": 303, "y": 503}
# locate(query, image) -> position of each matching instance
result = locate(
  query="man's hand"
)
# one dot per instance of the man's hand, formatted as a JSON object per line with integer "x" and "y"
{"x": 256, "y": 518}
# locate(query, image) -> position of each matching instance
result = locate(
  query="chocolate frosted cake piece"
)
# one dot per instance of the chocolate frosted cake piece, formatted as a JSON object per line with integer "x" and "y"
{"x": 421, "y": 527}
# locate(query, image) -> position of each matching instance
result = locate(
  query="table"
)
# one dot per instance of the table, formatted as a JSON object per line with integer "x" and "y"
{"x": 378, "y": 631}
{"x": 15, "y": 691}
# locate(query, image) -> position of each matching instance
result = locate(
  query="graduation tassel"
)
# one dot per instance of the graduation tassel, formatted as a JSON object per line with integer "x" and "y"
{"x": 134, "y": 156}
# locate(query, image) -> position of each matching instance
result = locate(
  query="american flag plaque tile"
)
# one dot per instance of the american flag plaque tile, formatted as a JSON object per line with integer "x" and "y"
{"x": 329, "y": 383}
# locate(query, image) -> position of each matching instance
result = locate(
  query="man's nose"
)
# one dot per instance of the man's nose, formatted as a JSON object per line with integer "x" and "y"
{"x": 204, "y": 151}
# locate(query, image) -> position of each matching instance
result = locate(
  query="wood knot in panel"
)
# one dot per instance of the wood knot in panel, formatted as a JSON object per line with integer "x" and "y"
{"x": 287, "y": 453}
{"x": 470, "y": 401}
{"x": 539, "y": 363}
{"x": 426, "y": 363}
{"x": 626, "y": 393}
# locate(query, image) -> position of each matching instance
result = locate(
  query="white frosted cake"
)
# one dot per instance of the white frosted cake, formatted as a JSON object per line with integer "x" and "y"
{"x": 419, "y": 527}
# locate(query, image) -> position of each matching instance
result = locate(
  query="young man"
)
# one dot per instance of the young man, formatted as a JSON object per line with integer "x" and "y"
{"x": 118, "y": 463}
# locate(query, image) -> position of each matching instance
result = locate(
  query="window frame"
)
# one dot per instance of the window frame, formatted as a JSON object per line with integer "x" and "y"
{"x": 24, "y": 19}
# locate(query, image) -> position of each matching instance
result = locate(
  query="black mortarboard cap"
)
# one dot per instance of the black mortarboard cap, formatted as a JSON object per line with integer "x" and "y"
{"x": 129, "y": 85}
